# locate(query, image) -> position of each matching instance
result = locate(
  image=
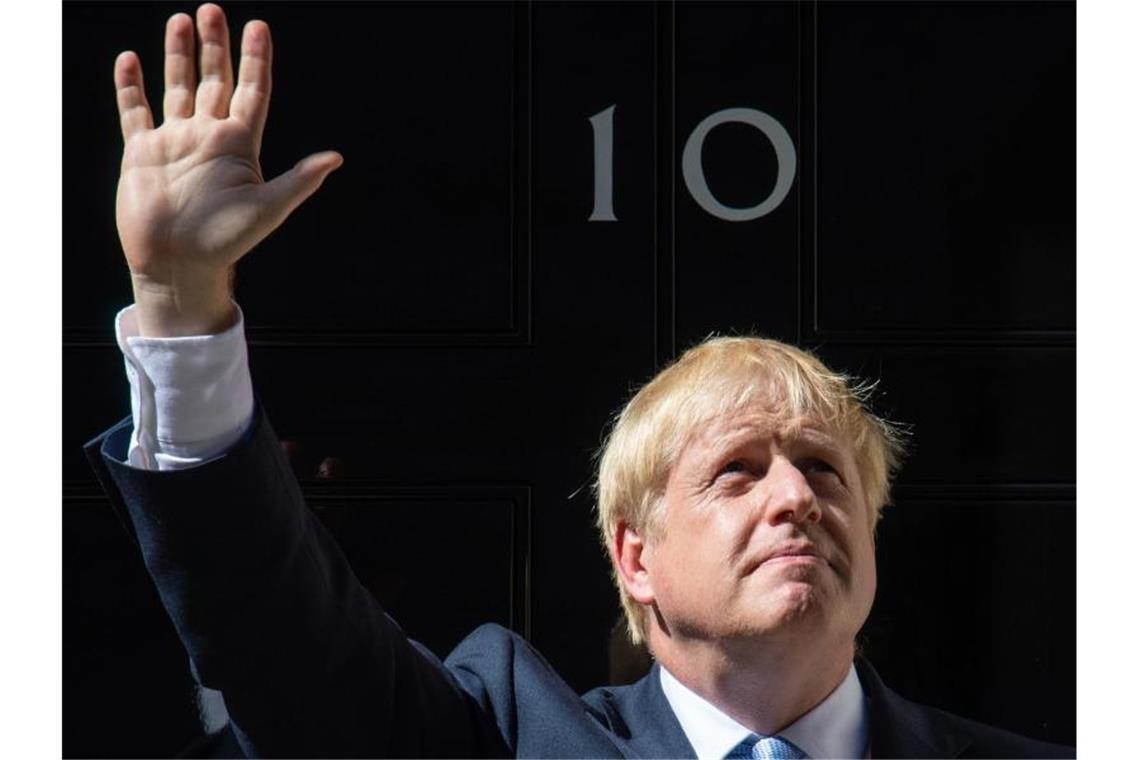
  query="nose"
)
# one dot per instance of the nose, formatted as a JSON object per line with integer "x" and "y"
{"x": 790, "y": 497}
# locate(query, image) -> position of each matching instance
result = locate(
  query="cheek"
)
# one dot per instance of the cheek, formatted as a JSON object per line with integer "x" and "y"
{"x": 692, "y": 557}
{"x": 854, "y": 540}
{"x": 864, "y": 568}
{"x": 869, "y": 571}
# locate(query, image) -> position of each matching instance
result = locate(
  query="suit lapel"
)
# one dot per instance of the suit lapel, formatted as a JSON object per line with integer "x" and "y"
{"x": 652, "y": 728}
{"x": 900, "y": 728}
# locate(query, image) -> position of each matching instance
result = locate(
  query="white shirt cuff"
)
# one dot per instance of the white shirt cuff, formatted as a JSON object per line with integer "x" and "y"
{"x": 191, "y": 397}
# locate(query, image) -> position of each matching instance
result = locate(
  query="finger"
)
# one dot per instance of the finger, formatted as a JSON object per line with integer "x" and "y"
{"x": 285, "y": 193}
{"x": 255, "y": 80}
{"x": 216, "y": 72}
{"x": 134, "y": 112}
{"x": 178, "y": 99}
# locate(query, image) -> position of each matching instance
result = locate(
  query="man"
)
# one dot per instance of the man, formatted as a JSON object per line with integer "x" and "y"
{"x": 738, "y": 495}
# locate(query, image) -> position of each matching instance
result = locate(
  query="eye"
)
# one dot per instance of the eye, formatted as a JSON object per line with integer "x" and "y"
{"x": 818, "y": 466}
{"x": 734, "y": 466}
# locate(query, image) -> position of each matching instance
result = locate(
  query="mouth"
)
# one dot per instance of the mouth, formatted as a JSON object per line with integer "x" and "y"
{"x": 791, "y": 554}
{"x": 805, "y": 559}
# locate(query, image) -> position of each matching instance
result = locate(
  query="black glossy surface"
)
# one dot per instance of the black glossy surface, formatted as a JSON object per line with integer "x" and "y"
{"x": 443, "y": 327}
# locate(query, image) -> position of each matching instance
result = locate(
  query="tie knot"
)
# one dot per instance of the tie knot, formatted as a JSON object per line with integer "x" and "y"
{"x": 765, "y": 748}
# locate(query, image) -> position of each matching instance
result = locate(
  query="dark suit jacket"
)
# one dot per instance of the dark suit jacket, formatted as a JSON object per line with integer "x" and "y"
{"x": 310, "y": 665}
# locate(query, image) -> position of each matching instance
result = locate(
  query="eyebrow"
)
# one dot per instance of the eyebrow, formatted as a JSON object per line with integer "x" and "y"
{"x": 817, "y": 439}
{"x": 788, "y": 435}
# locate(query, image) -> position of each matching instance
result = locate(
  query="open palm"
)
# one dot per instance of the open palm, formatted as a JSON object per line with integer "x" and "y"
{"x": 191, "y": 199}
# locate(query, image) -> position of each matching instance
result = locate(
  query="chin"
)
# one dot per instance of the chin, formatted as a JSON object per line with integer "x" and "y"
{"x": 791, "y": 606}
{"x": 798, "y": 599}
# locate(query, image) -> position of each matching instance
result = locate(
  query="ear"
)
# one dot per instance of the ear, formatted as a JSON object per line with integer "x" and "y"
{"x": 632, "y": 558}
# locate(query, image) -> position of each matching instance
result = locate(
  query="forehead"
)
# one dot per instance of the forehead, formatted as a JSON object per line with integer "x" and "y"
{"x": 761, "y": 421}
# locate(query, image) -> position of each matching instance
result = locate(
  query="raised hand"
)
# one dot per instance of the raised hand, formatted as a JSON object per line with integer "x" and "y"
{"x": 191, "y": 198}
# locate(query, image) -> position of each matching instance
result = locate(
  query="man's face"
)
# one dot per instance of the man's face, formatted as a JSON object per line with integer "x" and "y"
{"x": 766, "y": 533}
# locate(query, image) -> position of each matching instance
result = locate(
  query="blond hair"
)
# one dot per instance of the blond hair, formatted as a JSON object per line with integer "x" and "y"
{"x": 718, "y": 376}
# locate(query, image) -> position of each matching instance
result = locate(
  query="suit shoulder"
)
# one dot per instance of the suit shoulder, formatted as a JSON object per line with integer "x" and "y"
{"x": 533, "y": 708}
{"x": 902, "y": 728}
{"x": 991, "y": 741}
{"x": 489, "y": 641}
{"x": 496, "y": 651}
{"x": 504, "y": 660}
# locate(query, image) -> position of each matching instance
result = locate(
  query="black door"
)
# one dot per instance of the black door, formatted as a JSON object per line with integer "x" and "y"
{"x": 541, "y": 204}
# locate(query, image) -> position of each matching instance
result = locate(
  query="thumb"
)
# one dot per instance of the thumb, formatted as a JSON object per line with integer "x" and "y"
{"x": 287, "y": 191}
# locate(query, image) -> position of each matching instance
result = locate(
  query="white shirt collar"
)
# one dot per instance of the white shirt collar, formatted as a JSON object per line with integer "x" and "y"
{"x": 835, "y": 728}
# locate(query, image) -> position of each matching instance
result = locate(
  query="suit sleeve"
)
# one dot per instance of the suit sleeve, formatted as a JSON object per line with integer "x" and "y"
{"x": 272, "y": 615}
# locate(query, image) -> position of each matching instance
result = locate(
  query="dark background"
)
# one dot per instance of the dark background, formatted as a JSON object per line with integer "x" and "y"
{"x": 442, "y": 331}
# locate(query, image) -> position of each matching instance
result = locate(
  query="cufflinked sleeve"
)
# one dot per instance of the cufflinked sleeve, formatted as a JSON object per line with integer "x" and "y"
{"x": 272, "y": 615}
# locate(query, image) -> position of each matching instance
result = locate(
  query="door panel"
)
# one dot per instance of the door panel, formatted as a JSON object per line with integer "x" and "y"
{"x": 535, "y": 214}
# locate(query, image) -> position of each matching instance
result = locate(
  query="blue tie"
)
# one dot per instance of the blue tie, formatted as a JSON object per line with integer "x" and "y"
{"x": 767, "y": 748}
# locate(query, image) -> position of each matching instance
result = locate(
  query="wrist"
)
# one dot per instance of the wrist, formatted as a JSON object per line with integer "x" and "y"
{"x": 184, "y": 305}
